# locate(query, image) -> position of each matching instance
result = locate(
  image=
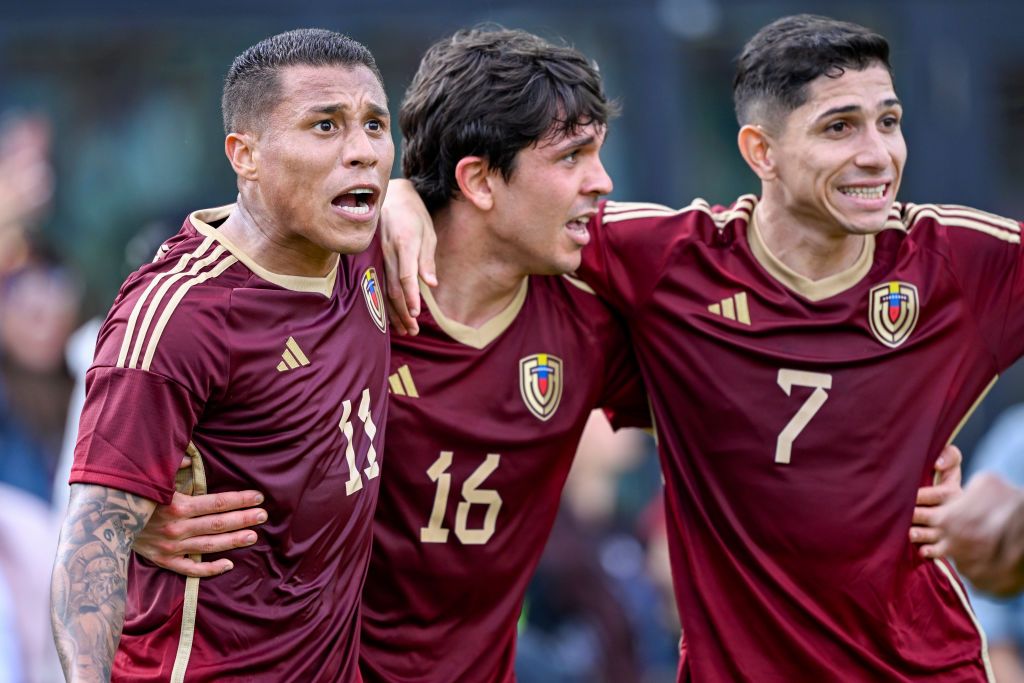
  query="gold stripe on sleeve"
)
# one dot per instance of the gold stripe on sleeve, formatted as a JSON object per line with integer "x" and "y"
{"x": 140, "y": 340}
{"x": 129, "y": 332}
{"x": 173, "y": 304}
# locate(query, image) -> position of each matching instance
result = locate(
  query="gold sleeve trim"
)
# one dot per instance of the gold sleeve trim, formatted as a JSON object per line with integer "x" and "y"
{"x": 191, "y": 601}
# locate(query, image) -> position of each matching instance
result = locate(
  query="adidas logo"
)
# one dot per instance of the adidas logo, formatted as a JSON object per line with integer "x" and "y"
{"x": 293, "y": 356}
{"x": 402, "y": 384}
{"x": 733, "y": 308}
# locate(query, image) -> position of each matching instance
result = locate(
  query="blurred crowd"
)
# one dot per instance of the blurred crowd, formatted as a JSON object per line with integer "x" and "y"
{"x": 40, "y": 298}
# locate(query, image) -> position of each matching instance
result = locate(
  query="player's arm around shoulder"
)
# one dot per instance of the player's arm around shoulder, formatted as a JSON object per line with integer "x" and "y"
{"x": 632, "y": 246}
{"x": 89, "y": 583}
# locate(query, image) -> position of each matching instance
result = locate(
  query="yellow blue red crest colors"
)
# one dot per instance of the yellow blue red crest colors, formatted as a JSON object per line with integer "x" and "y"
{"x": 540, "y": 382}
{"x": 374, "y": 296}
{"x": 892, "y": 312}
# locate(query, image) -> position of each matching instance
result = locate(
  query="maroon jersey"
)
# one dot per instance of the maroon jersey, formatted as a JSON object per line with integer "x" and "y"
{"x": 483, "y": 427}
{"x": 270, "y": 382}
{"x": 797, "y": 418}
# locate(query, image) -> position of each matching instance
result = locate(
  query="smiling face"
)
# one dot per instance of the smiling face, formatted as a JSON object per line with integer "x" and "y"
{"x": 322, "y": 158}
{"x": 838, "y": 158}
{"x": 540, "y": 215}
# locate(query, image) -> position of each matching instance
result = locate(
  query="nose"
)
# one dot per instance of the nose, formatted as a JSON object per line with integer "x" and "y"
{"x": 874, "y": 150}
{"x": 360, "y": 150}
{"x": 598, "y": 181}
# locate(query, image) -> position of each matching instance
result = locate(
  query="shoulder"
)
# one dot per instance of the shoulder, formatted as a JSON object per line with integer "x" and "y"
{"x": 953, "y": 223}
{"x": 699, "y": 220}
{"x": 176, "y": 305}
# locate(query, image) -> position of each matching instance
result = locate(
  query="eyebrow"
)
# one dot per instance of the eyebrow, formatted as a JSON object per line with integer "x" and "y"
{"x": 887, "y": 103}
{"x": 332, "y": 109}
{"x": 581, "y": 141}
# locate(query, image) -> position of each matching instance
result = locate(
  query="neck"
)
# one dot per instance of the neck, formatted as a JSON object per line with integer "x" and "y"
{"x": 803, "y": 246}
{"x": 474, "y": 283}
{"x": 259, "y": 236}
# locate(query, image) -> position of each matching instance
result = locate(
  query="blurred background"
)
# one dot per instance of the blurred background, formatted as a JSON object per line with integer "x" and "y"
{"x": 110, "y": 133}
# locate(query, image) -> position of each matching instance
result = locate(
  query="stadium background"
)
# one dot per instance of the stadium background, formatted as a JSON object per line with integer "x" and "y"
{"x": 130, "y": 91}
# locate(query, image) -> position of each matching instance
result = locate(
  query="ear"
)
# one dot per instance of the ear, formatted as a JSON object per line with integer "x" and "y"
{"x": 473, "y": 176}
{"x": 756, "y": 147}
{"x": 240, "y": 149}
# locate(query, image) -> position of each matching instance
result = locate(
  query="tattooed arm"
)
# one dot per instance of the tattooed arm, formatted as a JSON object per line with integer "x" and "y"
{"x": 88, "y": 588}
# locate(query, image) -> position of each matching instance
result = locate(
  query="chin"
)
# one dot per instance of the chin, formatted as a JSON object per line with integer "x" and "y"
{"x": 352, "y": 241}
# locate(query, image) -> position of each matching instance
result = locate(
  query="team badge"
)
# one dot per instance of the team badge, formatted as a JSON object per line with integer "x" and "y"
{"x": 374, "y": 296}
{"x": 892, "y": 312}
{"x": 540, "y": 382}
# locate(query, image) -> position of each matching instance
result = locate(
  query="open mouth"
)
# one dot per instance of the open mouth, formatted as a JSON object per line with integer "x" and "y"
{"x": 865, "y": 191}
{"x": 577, "y": 229}
{"x": 359, "y": 201}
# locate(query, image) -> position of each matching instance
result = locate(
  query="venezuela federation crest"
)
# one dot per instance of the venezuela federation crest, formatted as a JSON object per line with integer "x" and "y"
{"x": 892, "y": 312}
{"x": 374, "y": 296}
{"x": 540, "y": 382}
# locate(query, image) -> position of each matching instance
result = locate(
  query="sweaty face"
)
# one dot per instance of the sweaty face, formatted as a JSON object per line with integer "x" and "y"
{"x": 324, "y": 156}
{"x": 541, "y": 213}
{"x": 840, "y": 156}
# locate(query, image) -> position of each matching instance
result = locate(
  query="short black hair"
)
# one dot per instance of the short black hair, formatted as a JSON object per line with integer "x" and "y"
{"x": 491, "y": 92}
{"x": 251, "y": 85}
{"x": 776, "y": 65}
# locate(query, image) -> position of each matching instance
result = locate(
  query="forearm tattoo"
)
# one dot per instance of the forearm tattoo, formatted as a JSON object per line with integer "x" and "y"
{"x": 88, "y": 588}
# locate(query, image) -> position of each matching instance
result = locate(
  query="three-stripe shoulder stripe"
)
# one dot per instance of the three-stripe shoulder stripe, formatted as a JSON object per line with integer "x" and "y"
{"x": 163, "y": 294}
{"x": 624, "y": 211}
{"x": 1005, "y": 229}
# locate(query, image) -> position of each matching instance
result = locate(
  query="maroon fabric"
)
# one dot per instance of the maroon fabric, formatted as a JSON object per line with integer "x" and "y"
{"x": 447, "y": 612}
{"x": 803, "y": 571}
{"x": 289, "y": 609}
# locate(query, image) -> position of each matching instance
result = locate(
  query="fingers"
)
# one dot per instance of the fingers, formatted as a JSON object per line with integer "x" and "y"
{"x": 937, "y": 495}
{"x": 428, "y": 268}
{"x": 925, "y": 535}
{"x": 949, "y": 458}
{"x": 403, "y": 320}
{"x": 188, "y": 567}
{"x": 183, "y": 506}
{"x": 204, "y": 545}
{"x": 213, "y": 524}
{"x": 948, "y": 466}
{"x": 186, "y": 462}
{"x": 925, "y": 515}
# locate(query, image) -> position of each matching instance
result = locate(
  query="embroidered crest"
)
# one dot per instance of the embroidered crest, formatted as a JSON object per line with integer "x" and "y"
{"x": 374, "y": 296}
{"x": 540, "y": 382}
{"x": 892, "y": 312}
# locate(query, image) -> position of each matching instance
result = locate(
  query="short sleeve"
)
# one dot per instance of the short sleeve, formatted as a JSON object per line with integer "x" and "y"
{"x": 985, "y": 253}
{"x": 135, "y": 428}
{"x": 623, "y": 260}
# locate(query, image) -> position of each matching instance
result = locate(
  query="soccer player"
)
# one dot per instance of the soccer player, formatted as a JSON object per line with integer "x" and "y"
{"x": 253, "y": 347}
{"x": 502, "y": 133}
{"x": 488, "y": 403}
{"x": 807, "y": 353}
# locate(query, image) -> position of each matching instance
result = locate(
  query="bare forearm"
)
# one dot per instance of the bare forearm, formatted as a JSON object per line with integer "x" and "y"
{"x": 88, "y": 588}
